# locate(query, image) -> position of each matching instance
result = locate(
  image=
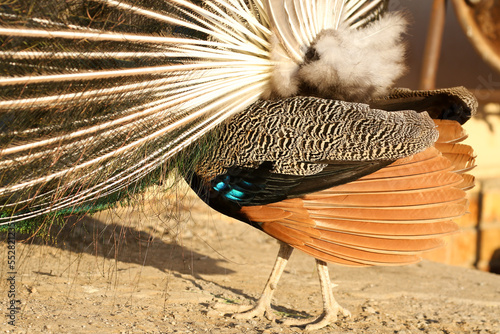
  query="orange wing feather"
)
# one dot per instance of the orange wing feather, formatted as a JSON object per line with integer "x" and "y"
{"x": 385, "y": 218}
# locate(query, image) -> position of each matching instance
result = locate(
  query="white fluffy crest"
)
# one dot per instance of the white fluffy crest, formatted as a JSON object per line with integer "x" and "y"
{"x": 346, "y": 63}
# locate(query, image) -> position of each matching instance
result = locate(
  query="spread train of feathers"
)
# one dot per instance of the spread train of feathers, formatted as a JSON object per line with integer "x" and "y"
{"x": 97, "y": 95}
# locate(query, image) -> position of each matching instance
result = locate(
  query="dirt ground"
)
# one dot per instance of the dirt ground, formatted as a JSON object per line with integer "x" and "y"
{"x": 158, "y": 269}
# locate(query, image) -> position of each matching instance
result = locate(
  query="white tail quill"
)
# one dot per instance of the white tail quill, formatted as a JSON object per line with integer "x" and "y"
{"x": 96, "y": 95}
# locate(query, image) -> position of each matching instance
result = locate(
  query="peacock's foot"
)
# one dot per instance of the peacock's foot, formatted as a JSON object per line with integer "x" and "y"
{"x": 330, "y": 306}
{"x": 328, "y": 316}
{"x": 263, "y": 306}
{"x": 262, "y": 309}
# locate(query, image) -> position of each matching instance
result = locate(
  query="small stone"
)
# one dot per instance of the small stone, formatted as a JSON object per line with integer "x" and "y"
{"x": 369, "y": 310}
{"x": 31, "y": 289}
{"x": 213, "y": 314}
{"x": 422, "y": 325}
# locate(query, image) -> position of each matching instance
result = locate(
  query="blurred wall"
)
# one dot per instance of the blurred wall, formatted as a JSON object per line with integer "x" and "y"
{"x": 460, "y": 65}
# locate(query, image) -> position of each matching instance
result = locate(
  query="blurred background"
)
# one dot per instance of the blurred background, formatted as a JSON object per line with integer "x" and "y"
{"x": 468, "y": 54}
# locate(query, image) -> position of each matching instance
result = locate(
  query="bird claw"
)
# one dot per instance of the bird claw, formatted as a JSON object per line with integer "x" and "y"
{"x": 258, "y": 310}
{"x": 345, "y": 312}
{"x": 231, "y": 308}
{"x": 247, "y": 311}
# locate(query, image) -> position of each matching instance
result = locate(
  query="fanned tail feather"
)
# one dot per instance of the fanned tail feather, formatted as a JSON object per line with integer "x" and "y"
{"x": 297, "y": 23}
{"x": 96, "y": 96}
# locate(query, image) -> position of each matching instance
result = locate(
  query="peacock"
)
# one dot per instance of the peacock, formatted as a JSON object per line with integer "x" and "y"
{"x": 279, "y": 113}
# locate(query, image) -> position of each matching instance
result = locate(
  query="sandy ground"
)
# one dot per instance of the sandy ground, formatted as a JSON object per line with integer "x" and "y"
{"x": 134, "y": 271}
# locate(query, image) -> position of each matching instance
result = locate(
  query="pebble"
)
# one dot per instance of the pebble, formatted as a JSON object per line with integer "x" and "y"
{"x": 370, "y": 310}
{"x": 272, "y": 331}
{"x": 31, "y": 289}
{"x": 422, "y": 325}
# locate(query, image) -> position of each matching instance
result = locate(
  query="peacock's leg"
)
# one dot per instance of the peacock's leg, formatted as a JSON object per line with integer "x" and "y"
{"x": 263, "y": 305}
{"x": 330, "y": 306}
